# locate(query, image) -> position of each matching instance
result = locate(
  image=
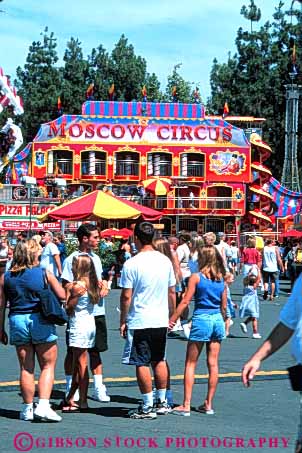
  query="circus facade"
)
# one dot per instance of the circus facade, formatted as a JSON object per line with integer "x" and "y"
{"x": 166, "y": 156}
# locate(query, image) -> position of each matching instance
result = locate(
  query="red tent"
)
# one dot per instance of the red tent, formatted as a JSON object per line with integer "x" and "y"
{"x": 292, "y": 234}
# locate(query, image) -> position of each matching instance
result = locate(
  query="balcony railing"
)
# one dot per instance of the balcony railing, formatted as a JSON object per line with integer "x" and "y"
{"x": 163, "y": 169}
{"x": 193, "y": 170}
{"x": 100, "y": 168}
{"x": 213, "y": 203}
{"x": 127, "y": 168}
{"x": 64, "y": 166}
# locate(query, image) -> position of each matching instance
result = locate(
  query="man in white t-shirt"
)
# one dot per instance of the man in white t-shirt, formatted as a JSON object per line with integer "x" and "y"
{"x": 147, "y": 300}
{"x": 50, "y": 257}
{"x": 88, "y": 237}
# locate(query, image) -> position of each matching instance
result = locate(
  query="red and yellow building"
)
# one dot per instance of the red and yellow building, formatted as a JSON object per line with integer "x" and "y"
{"x": 205, "y": 162}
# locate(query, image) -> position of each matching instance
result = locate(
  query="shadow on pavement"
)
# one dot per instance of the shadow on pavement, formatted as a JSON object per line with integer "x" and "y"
{"x": 113, "y": 412}
{"x": 124, "y": 399}
{"x": 7, "y": 413}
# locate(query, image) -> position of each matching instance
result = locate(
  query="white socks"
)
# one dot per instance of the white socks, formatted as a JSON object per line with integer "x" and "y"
{"x": 28, "y": 406}
{"x": 43, "y": 403}
{"x": 148, "y": 399}
{"x": 97, "y": 380}
{"x": 161, "y": 395}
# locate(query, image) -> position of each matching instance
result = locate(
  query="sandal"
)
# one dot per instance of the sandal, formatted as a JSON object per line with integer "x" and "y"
{"x": 202, "y": 409}
{"x": 71, "y": 408}
{"x": 181, "y": 412}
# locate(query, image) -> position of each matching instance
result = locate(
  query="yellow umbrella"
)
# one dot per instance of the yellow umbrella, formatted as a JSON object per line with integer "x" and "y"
{"x": 157, "y": 185}
{"x": 100, "y": 205}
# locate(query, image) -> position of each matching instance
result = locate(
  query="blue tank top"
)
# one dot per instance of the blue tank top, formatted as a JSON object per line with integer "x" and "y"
{"x": 21, "y": 289}
{"x": 208, "y": 295}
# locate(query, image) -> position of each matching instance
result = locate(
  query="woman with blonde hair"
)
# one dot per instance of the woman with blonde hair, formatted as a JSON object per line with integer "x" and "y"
{"x": 30, "y": 333}
{"x": 82, "y": 295}
{"x": 210, "y": 294}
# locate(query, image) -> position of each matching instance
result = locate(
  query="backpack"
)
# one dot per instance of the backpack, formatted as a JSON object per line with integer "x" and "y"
{"x": 298, "y": 256}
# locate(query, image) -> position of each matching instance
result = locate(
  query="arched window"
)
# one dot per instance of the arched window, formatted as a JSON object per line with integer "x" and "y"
{"x": 93, "y": 163}
{"x": 159, "y": 164}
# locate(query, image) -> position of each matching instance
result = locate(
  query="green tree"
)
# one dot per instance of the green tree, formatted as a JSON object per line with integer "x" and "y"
{"x": 251, "y": 13}
{"x": 153, "y": 88}
{"x": 75, "y": 77}
{"x": 100, "y": 72}
{"x": 39, "y": 85}
{"x": 253, "y": 79}
{"x": 183, "y": 88}
{"x": 128, "y": 71}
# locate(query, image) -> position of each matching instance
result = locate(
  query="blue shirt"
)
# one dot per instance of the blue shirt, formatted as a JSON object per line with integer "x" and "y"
{"x": 208, "y": 295}
{"x": 21, "y": 290}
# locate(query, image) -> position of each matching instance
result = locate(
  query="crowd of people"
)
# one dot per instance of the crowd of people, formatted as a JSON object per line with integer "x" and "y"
{"x": 158, "y": 279}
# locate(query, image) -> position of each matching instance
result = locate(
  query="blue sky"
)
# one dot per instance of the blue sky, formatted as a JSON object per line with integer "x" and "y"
{"x": 165, "y": 32}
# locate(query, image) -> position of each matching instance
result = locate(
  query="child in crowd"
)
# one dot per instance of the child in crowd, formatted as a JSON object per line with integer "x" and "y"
{"x": 83, "y": 294}
{"x": 250, "y": 303}
{"x": 230, "y": 310}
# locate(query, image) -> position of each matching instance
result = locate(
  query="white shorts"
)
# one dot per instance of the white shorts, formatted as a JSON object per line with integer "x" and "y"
{"x": 82, "y": 331}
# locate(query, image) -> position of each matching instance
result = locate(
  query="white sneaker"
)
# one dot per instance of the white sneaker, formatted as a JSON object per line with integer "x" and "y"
{"x": 162, "y": 408}
{"x": 46, "y": 414}
{"x": 187, "y": 329}
{"x": 257, "y": 336}
{"x": 100, "y": 394}
{"x": 27, "y": 414}
{"x": 243, "y": 327}
{"x": 231, "y": 322}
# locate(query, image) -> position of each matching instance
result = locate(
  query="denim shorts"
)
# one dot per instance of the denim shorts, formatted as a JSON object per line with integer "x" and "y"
{"x": 207, "y": 327}
{"x": 30, "y": 328}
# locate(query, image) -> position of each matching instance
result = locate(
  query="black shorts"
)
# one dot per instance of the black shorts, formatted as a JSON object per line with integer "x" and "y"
{"x": 269, "y": 276}
{"x": 144, "y": 346}
{"x": 101, "y": 344}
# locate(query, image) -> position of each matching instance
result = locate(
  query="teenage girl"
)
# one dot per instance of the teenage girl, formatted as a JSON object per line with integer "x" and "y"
{"x": 83, "y": 294}
{"x": 209, "y": 291}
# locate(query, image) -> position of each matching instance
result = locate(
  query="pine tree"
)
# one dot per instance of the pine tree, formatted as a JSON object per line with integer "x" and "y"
{"x": 75, "y": 77}
{"x": 153, "y": 88}
{"x": 100, "y": 72}
{"x": 182, "y": 88}
{"x": 128, "y": 71}
{"x": 39, "y": 85}
{"x": 252, "y": 81}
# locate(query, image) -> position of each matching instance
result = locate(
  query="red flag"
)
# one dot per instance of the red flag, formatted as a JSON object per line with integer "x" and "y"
{"x": 174, "y": 94}
{"x": 89, "y": 91}
{"x": 14, "y": 174}
{"x": 144, "y": 93}
{"x": 59, "y": 104}
{"x": 226, "y": 110}
{"x": 111, "y": 92}
{"x": 294, "y": 55}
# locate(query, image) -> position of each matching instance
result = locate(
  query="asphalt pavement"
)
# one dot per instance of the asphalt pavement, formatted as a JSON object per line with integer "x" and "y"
{"x": 260, "y": 419}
